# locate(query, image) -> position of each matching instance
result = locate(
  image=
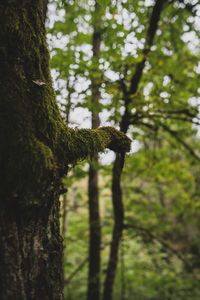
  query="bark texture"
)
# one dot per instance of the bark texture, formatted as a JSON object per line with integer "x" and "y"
{"x": 45, "y": 8}
{"x": 30, "y": 244}
{"x": 36, "y": 148}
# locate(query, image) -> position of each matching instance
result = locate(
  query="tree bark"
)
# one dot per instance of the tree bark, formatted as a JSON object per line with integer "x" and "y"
{"x": 45, "y": 8}
{"x": 64, "y": 217}
{"x": 30, "y": 243}
{"x": 30, "y": 253}
{"x": 36, "y": 148}
{"x": 93, "y": 191}
{"x": 117, "y": 230}
{"x": 95, "y": 234}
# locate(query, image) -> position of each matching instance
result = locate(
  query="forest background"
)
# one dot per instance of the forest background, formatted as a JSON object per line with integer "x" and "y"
{"x": 133, "y": 65}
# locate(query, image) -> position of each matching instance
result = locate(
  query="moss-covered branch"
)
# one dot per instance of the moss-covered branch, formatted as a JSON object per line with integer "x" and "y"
{"x": 84, "y": 142}
{"x": 36, "y": 147}
{"x": 36, "y": 144}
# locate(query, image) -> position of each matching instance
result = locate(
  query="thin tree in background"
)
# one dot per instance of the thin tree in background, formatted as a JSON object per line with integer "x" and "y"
{"x": 119, "y": 161}
{"x": 93, "y": 191}
{"x": 165, "y": 68}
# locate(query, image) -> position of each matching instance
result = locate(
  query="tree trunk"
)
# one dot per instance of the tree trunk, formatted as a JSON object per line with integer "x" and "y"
{"x": 30, "y": 253}
{"x": 36, "y": 148}
{"x": 118, "y": 227}
{"x": 30, "y": 243}
{"x": 119, "y": 161}
{"x": 95, "y": 235}
{"x": 45, "y": 7}
{"x": 93, "y": 192}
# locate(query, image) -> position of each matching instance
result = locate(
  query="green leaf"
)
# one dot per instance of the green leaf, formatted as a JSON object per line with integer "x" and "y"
{"x": 103, "y": 3}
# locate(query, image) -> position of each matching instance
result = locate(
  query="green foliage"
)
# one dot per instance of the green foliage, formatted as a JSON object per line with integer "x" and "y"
{"x": 160, "y": 182}
{"x": 103, "y": 3}
{"x": 163, "y": 213}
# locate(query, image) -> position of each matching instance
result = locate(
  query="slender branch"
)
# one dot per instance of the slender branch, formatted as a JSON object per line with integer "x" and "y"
{"x": 160, "y": 240}
{"x": 79, "y": 268}
{"x": 175, "y": 118}
{"x": 159, "y": 116}
{"x": 188, "y": 6}
{"x": 172, "y": 132}
{"x": 179, "y": 139}
{"x": 151, "y": 31}
{"x": 119, "y": 161}
{"x": 180, "y": 111}
{"x": 148, "y": 125}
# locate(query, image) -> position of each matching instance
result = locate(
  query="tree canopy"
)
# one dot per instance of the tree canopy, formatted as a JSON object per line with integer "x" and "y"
{"x": 147, "y": 71}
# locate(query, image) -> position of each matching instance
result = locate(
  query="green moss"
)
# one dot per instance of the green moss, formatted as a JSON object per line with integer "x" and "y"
{"x": 86, "y": 141}
{"x": 36, "y": 145}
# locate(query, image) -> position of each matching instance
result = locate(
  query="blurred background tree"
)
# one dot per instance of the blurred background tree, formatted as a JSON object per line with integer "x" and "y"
{"x": 145, "y": 79}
